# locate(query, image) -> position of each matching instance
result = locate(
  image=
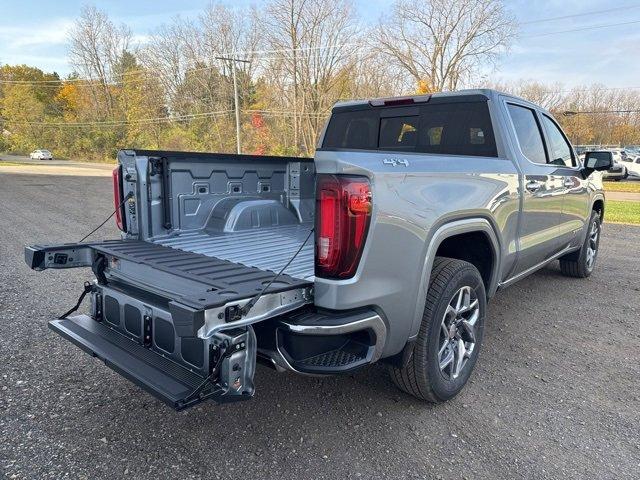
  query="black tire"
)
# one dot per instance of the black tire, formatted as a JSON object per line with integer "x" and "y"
{"x": 422, "y": 377}
{"x": 576, "y": 264}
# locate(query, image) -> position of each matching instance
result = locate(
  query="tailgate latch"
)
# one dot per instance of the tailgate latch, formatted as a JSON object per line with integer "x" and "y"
{"x": 232, "y": 313}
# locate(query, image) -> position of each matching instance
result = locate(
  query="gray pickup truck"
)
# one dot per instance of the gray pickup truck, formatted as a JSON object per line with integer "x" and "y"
{"x": 384, "y": 247}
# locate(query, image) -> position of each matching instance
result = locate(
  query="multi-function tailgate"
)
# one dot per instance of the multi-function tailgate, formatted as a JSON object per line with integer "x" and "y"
{"x": 171, "y": 321}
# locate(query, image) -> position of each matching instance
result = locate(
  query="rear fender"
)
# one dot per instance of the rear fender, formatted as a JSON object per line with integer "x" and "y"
{"x": 456, "y": 227}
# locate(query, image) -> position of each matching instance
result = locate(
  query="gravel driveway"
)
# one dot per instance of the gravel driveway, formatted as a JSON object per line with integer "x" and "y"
{"x": 555, "y": 393}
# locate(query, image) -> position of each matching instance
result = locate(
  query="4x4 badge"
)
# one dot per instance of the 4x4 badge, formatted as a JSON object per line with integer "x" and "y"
{"x": 394, "y": 162}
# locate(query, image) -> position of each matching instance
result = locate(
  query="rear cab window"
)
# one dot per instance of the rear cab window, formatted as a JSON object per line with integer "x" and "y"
{"x": 443, "y": 125}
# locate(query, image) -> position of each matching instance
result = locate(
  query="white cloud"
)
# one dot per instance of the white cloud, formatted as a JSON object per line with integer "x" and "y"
{"x": 140, "y": 39}
{"x": 47, "y": 63}
{"x": 35, "y": 35}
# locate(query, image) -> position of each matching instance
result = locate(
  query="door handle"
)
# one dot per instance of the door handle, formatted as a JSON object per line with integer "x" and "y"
{"x": 568, "y": 182}
{"x": 533, "y": 186}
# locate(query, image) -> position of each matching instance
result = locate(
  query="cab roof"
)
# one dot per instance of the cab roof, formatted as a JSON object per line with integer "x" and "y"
{"x": 487, "y": 93}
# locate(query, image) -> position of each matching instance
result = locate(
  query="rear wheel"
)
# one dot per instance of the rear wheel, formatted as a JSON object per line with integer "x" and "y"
{"x": 450, "y": 335}
{"x": 580, "y": 264}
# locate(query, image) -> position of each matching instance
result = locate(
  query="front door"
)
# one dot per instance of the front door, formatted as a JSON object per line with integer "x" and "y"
{"x": 576, "y": 206}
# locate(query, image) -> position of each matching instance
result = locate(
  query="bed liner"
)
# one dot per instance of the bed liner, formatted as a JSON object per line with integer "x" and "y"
{"x": 265, "y": 248}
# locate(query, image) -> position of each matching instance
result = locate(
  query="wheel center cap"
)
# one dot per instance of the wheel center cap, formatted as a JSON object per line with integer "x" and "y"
{"x": 453, "y": 329}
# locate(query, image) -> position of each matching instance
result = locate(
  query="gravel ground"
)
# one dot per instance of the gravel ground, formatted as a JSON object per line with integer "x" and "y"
{"x": 554, "y": 395}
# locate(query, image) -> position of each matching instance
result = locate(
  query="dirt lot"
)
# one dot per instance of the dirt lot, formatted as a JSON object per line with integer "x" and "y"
{"x": 555, "y": 393}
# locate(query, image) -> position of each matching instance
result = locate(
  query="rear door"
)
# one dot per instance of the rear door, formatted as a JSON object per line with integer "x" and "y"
{"x": 543, "y": 189}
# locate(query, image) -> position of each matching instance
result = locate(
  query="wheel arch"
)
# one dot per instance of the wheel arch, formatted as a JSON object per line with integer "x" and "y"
{"x": 598, "y": 205}
{"x": 458, "y": 228}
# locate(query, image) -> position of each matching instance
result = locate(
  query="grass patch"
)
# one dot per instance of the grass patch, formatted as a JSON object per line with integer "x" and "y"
{"x": 622, "y": 212}
{"x": 633, "y": 187}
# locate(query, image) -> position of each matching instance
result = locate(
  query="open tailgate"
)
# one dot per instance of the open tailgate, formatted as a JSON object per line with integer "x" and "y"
{"x": 171, "y": 320}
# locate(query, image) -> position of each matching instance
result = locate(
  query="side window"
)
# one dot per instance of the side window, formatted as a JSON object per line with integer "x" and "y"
{"x": 559, "y": 148}
{"x": 528, "y": 133}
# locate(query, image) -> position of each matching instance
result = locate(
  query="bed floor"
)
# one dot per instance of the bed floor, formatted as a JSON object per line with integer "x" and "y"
{"x": 264, "y": 248}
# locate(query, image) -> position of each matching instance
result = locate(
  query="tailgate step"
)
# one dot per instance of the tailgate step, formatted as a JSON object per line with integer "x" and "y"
{"x": 334, "y": 359}
{"x": 161, "y": 377}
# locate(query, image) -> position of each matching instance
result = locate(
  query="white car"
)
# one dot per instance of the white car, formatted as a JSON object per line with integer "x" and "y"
{"x": 41, "y": 155}
{"x": 632, "y": 162}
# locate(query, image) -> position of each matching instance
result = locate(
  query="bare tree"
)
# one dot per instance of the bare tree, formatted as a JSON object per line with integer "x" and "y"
{"x": 96, "y": 47}
{"x": 445, "y": 42}
{"x": 184, "y": 53}
{"x": 164, "y": 55}
{"x": 284, "y": 19}
{"x": 552, "y": 96}
{"x": 314, "y": 44}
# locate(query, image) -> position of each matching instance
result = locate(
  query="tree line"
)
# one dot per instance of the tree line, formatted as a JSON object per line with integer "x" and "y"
{"x": 293, "y": 60}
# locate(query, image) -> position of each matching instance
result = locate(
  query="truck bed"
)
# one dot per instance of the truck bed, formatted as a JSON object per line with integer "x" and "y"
{"x": 267, "y": 249}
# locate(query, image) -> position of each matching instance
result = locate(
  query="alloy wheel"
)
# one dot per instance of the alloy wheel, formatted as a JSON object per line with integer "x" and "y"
{"x": 592, "y": 244}
{"x": 457, "y": 332}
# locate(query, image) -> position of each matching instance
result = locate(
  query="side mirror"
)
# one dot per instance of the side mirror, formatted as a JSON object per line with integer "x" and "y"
{"x": 597, "y": 161}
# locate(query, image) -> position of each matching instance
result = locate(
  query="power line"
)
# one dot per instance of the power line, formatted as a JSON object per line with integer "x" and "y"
{"x": 595, "y": 89}
{"x": 594, "y": 12}
{"x": 91, "y": 81}
{"x": 582, "y": 29}
{"x": 88, "y": 81}
{"x": 570, "y": 113}
{"x": 288, "y": 112}
{"x": 116, "y": 123}
{"x": 190, "y": 116}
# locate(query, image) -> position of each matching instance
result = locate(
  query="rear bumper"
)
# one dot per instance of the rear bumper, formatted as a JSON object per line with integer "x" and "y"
{"x": 321, "y": 342}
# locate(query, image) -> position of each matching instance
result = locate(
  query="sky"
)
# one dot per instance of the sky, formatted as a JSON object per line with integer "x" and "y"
{"x": 549, "y": 49}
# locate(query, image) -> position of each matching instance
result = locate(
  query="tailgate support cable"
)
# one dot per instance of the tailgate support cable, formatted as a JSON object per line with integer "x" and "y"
{"x": 88, "y": 287}
{"x": 250, "y": 304}
{"x": 127, "y": 197}
{"x": 197, "y": 393}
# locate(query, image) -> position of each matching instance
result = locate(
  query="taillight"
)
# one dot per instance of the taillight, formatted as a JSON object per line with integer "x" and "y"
{"x": 118, "y": 197}
{"x": 343, "y": 214}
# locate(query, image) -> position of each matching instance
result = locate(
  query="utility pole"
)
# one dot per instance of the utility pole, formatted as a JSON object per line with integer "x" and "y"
{"x": 235, "y": 95}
